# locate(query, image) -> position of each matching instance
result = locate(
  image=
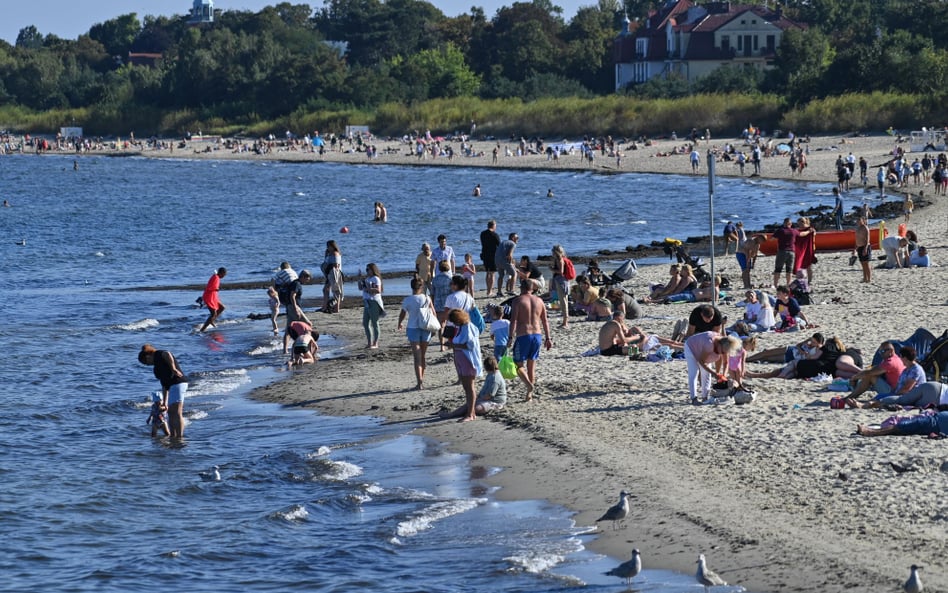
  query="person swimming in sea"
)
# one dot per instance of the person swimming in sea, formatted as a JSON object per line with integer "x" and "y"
{"x": 477, "y": 191}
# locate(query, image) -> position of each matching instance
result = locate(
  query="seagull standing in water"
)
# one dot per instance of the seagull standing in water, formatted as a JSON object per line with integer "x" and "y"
{"x": 706, "y": 577}
{"x": 617, "y": 512}
{"x": 628, "y": 570}
{"x": 914, "y": 582}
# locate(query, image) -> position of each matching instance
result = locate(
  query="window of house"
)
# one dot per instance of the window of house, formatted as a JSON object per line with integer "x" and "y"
{"x": 771, "y": 43}
{"x": 740, "y": 43}
{"x": 725, "y": 43}
{"x": 755, "y": 42}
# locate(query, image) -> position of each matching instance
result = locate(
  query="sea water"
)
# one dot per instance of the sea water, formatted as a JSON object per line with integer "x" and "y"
{"x": 306, "y": 502}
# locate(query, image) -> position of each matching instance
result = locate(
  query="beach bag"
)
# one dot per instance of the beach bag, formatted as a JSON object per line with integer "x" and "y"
{"x": 569, "y": 271}
{"x": 477, "y": 320}
{"x": 507, "y": 366}
{"x": 429, "y": 321}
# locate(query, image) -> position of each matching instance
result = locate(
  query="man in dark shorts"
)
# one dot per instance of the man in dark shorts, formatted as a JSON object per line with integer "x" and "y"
{"x": 615, "y": 337}
{"x": 489, "y": 242}
{"x": 786, "y": 237}
{"x": 864, "y": 249}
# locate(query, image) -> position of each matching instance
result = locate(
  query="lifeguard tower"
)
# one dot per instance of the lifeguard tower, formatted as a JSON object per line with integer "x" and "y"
{"x": 201, "y": 12}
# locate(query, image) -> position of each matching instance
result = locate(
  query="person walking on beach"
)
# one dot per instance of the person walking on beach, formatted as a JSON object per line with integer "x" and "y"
{"x": 418, "y": 335}
{"x": 424, "y": 267}
{"x": 559, "y": 284}
{"x": 373, "y": 307}
{"x": 863, "y": 249}
{"x": 490, "y": 240}
{"x": 211, "y": 298}
{"x": 504, "y": 262}
{"x": 443, "y": 252}
{"x": 527, "y": 320}
{"x": 174, "y": 385}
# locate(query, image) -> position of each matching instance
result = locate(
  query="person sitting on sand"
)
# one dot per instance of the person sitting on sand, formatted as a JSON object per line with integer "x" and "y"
{"x": 924, "y": 425}
{"x": 492, "y": 395}
{"x": 615, "y": 338}
{"x": 881, "y": 378}
{"x": 659, "y": 291}
{"x": 758, "y": 314}
{"x": 583, "y": 294}
{"x": 620, "y": 299}
{"x": 599, "y": 310}
{"x": 596, "y": 275}
{"x": 920, "y": 258}
{"x": 790, "y": 317}
{"x": 912, "y": 376}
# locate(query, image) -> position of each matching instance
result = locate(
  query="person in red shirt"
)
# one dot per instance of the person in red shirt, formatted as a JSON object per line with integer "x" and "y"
{"x": 881, "y": 378}
{"x": 211, "y": 299}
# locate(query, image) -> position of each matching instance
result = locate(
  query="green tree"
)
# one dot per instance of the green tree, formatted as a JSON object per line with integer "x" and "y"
{"x": 730, "y": 79}
{"x": 118, "y": 34}
{"x": 802, "y": 62}
{"x": 588, "y": 53}
{"x": 440, "y": 72}
{"x": 29, "y": 38}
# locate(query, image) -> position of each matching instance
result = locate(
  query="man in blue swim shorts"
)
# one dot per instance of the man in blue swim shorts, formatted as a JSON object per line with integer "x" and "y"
{"x": 529, "y": 323}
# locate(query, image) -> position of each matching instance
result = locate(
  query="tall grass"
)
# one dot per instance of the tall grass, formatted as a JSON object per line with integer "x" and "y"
{"x": 621, "y": 116}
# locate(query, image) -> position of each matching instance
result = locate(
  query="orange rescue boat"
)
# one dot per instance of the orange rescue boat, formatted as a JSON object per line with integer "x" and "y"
{"x": 831, "y": 241}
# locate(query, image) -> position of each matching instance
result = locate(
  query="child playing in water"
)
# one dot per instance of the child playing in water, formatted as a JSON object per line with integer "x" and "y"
{"x": 157, "y": 416}
{"x": 468, "y": 271}
{"x": 305, "y": 349}
{"x": 274, "y": 308}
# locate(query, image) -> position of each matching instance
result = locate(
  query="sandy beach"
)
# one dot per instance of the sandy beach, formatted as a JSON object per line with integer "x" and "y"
{"x": 778, "y": 494}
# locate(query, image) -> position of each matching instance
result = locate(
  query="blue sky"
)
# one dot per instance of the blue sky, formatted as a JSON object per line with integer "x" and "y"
{"x": 70, "y": 18}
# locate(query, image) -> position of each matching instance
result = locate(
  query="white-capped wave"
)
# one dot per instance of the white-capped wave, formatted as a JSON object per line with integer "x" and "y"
{"x": 136, "y": 325}
{"x": 534, "y": 562}
{"x": 321, "y": 452}
{"x": 217, "y": 382}
{"x": 197, "y": 415}
{"x": 268, "y": 348}
{"x": 639, "y": 222}
{"x": 296, "y": 512}
{"x": 424, "y": 519}
{"x": 99, "y": 254}
{"x": 342, "y": 470}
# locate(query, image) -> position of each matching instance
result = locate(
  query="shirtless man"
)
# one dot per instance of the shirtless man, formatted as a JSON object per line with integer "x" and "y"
{"x": 747, "y": 257}
{"x": 527, "y": 321}
{"x": 615, "y": 337}
{"x": 863, "y": 250}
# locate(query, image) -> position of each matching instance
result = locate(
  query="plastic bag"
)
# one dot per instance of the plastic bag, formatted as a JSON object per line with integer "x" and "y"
{"x": 508, "y": 368}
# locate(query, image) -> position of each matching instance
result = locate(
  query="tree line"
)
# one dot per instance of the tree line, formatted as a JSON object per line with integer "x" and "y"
{"x": 289, "y": 60}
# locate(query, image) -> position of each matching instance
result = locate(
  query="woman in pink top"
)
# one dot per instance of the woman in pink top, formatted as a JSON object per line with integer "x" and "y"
{"x": 211, "y": 299}
{"x": 702, "y": 350}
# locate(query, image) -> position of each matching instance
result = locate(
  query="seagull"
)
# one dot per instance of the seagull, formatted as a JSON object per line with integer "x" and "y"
{"x": 914, "y": 583}
{"x": 617, "y": 512}
{"x": 706, "y": 577}
{"x": 628, "y": 570}
{"x": 21, "y": 242}
{"x": 212, "y": 476}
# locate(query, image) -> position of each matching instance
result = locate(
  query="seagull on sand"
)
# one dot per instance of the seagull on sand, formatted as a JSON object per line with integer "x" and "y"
{"x": 617, "y": 512}
{"x": 914, "y": 583}
{"x": 706, "y": 577}
{"x": 628, "y": 570}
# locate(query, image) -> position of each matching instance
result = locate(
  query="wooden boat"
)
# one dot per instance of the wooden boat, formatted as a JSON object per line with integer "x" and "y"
{"x": 831, "y": 241}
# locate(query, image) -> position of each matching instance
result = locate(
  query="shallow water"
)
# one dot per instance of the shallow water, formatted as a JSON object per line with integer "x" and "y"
{"x": 305, "y": 502}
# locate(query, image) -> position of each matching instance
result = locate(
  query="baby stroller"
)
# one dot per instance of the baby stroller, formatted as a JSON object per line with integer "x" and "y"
{"x": 624, "y": 273}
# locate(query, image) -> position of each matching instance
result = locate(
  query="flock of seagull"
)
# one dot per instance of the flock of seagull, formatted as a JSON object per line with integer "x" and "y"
{"x": 631, "y": 568}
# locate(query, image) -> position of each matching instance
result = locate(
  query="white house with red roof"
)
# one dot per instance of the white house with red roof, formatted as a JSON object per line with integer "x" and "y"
{"x": 691, "y": 40}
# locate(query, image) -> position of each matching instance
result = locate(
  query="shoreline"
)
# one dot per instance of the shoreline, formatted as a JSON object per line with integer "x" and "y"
{"x": 777, "y": 494}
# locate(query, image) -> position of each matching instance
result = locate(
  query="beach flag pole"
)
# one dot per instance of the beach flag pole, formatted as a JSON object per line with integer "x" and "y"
{"x": 714, "y": 292}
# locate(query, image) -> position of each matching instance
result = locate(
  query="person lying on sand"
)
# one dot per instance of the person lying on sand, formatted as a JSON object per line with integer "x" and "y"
{"x": 925, "y": 424}
{"x": 811, "y": 357}
{"x": 615, "y": 338}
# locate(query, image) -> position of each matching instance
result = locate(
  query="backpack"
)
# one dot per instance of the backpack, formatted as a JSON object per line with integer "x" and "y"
{"x": 569, "y": 272}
